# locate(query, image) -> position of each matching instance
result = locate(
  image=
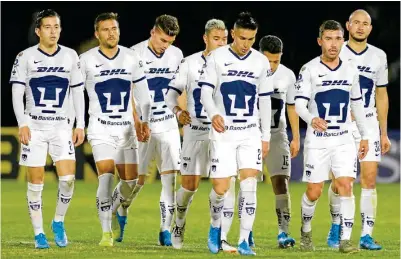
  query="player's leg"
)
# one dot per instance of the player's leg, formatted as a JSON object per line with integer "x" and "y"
{"x": 223, "y": 167}
{"x": 104, "y": 155}
{"x": 168, "y": 149}
{"x": 368, "y": 204}
{"x": 228, "y": 216}
{"x": 195, "y": 162}
{"x": 333, "y": 238}
{"x": 62, "y": 151}
{"x": 33, "y": 158}
{"x": 343, "y": 166}
{"x": 316, "y": 171}
{"x": 249, "y": 155}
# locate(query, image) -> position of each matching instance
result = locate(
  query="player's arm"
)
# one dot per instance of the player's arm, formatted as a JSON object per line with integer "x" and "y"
{"x": 357, "y": 107}
{"x": 175, "y": 89}
{"x": 208, "y": 82}
{"x": 18, "y": 79}
{"x": 382, "y": 105}
{"x": 293, "y": 117}
{"x": 303, "y": 88}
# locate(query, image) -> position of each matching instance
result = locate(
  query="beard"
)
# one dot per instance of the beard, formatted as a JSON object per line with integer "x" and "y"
{"x": 358, "y": 39}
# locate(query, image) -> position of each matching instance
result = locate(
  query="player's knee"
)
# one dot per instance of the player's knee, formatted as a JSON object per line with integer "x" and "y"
{"x": 368, "y": 179}
{"x": 191, "y": 184}
{"x": 313, "y": 192}
{"x": 280, "y": 184}
{"x": 344, "y": 186}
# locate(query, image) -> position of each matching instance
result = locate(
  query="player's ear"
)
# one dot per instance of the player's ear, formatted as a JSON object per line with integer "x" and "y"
{"x": 205, "y": 38}
{"x": 152, "y": 31}
{"x": 319, "y": 41}
{"x": 37, "y": 32}
{"x": 347, "y": 25}
{"x": 232, "y": 33}
{"x": 96, "y": 35}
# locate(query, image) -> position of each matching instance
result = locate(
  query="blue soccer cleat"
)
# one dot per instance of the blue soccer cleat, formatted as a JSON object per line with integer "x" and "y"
{"x": 285, "y": 241}
{"x": 251, "y": 241}
{"x": 165, "y": 238}
{"x": 60, "y": 237}
{"x": 245, "y": 249}
{"x": 368, "y": 243}
{"x": 333, "y": 239}
{"x": 213, "y": 242}
{"x": 118, "y": 226}
{"x": 41, "y": 242}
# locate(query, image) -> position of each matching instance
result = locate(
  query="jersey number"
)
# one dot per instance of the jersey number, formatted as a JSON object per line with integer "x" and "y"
{"x": 332, "y": 106}
{"x": 49, "y": 92}
{"x": 239, "y": 99}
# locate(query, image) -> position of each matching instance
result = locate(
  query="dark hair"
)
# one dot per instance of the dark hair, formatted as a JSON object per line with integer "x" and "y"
{"x": 168, "y": 24}
{"x": 271, "y": 43}
{"x": 44, "y": 14}
{"x": 330, "y": 25}
{"x": 105, "y": 16}
{"x": 246, "y": 21}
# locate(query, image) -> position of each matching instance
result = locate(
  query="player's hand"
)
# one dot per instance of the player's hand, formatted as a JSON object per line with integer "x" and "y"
{"x": 145, "y": 131}
{"x": 24, "y": 134}
{"x": 78, "y": 137}
{"x": 218, "y": 123}
{"x": 363, "y": 149}
{"x": 265, "y": 148}
{"x": 294, "y": 147}
{"x": 184, "y": 117}
{"x": 385, "y": 144}
{"x": 319, "y": 124}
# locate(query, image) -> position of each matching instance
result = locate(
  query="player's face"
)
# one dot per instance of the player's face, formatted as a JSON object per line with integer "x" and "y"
{"x": 359, "y": 27}
{"x": 243, "y": 40}
{"x": 331, "y": 42}
{"x": 215, "y": 38}
{"x": 108, "y": 33}
{"x": 49, "y": 31}
{"x": 160, "y": 41}
{"x": 274, "y": 59}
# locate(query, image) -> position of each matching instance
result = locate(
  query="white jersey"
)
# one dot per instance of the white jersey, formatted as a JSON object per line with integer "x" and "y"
{"x": 108, "y": 82}
{"x": 284, "y": 93}
{"x": 237, "y": 83}
{"x": 373, "y": 72}
{"x": 187, "y": 79}
{"x": 47, "y": 80}
{"x": 329, "y": 92}
{"x": 159, "y": 71}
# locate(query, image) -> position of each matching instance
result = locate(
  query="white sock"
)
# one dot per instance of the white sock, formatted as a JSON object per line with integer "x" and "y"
{"x": 167, "y": 201}
{"x": 228, "y": 210}
{"x": 184, "y": 199}
{"x": 307, "y": 211}
{"x": 121, "y": 196}
{"x": 123, "y": 209}
{"x": 334, "y": 202}
{"x": 216, "y": 203}
{"x": 368, "y": 210}
{"x": 34, "y": 199}
{"x": 64, "y": 196}
{"x": 104, "y": 200}
{"x": 283, "y": 210}
{"x": 347, "y": 213}
{"x": 248, "y": 193}
{"x": 240, "y": 203}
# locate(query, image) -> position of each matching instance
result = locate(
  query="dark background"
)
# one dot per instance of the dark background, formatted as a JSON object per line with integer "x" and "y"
{"x": 296, "y": 23}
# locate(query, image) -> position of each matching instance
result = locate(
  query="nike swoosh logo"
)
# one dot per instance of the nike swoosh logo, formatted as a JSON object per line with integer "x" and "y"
{"x": 99, "y": 65}
{"x": 37, "y": 61}
{"x": 148, "y": 62}
{"x": 321, "y": 75}
{"x": 258, "y": 163}
{"x": 227, "y": 64}
{"x": 284, "y": 168}
{"x": 250, "y": 203}
{"x": 70, "y": 153}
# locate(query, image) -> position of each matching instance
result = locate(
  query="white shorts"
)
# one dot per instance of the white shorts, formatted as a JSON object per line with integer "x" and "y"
{"x": 374, "y": 153}
{"x": 118, "y": 143}
{"x": 165, "y": 147}
{"x": 278, "y": 160}
{"x": 229, "y": 157}
{"x": 318, "y": 162}
{"x": 57, "y": 141}
{"x": 195, "y": 158}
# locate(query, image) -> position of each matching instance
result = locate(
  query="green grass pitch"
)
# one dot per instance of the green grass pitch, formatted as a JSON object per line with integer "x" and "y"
{"x": 84, "y": 231}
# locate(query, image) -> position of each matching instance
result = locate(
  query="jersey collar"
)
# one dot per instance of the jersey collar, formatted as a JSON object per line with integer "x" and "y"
{"x": 353, "y": 51}
{"x": 52, "y": 55}
{"x": 240, "y": 58}
{"x": 118, "y": 51}
{"x": 334, "y": 69}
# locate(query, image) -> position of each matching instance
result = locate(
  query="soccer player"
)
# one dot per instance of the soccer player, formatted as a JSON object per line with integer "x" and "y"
{"x": 109, "y": 71}
{"x": 47, "y": 73}
{"x": 195, "y": 150}
{"x": 279, "y": 162}
{"x": 327, "y": 87}
{"x": 161, "y": 60}
{"x": 373, "y": 74}
{"x": 234, "y": 79}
